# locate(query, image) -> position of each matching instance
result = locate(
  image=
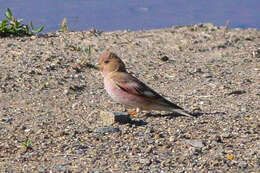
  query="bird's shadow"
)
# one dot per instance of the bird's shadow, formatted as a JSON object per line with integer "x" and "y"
{"x": 173, "y": 115}
{"x": 138, "y": 122}
{"x": 169, "y": 115}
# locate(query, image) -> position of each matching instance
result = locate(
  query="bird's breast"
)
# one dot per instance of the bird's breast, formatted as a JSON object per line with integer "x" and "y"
{"x": 127, "y": 98}
{"x": 112, "y": 89}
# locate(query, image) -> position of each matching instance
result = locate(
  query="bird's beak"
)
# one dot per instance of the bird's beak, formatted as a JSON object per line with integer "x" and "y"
{"x": 98, "y": 66}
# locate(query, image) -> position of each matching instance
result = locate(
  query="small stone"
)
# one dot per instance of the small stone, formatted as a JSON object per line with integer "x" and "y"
{"x": 243, "y": 164}
{"x": 10, "y": 44}
{"x": 78, "y": 152}
{"x": 106, "y": 130}
{"x": 164, "y": 58}
{"x": 226, "y": 135}
{"x": 207, "y": 75}
{"x": 33, "y": 37}
{"x": 185, "y": 136}
{"x": 243, "y": 109}
{"x": 60, "y": 167}
{"x": 75, "y": 105}
{"x": 214, "y": 143}
{"x": 197, "y": 151}
{"x": 31, "y": 72}
{"x": 27, "y": 130}
{"x": 256, "y": 53}
{"x": 145, "y": 161}
{"x": 172, "y": 139}
{"x": 42, "y": 169}
{"x": 198, "y": 70}
{"x": 230, "y": 156}
{"x": 218, "y": 139}
{"x": 156, "y": 136}
{"x": 257, "y": 69}
{"x": 195, "y": 143}
{"x": 237, "y": 92}
{"x": 7, "y": 120}
{"x": 66, "y": 91}
{"x": 110, "y": 118}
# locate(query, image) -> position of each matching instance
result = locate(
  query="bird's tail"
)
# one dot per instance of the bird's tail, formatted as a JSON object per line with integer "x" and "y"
{"x": 182, "y": 112}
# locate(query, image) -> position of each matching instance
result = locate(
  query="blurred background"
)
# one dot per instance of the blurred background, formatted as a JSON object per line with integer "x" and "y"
{"x": 109, "y": 15}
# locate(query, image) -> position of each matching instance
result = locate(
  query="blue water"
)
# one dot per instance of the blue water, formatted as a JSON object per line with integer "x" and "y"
{"x": 109, "y": 15}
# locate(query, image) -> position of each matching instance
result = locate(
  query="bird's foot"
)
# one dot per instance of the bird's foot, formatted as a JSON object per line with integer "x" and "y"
{"x": 132, "y": 112}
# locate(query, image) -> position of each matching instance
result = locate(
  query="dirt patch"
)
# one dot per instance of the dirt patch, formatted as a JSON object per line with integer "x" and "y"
{"x": 51, "y": 96}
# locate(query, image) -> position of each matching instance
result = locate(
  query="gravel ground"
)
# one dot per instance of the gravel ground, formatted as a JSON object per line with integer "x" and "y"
{"x": 51, "y": 97}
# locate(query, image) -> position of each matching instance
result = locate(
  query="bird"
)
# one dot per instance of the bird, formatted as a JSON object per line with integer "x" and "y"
{"x": 126, "y": 89}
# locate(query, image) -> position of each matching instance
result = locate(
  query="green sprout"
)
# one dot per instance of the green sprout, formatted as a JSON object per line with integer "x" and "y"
{"x": 88, "y": 50}
{"x": 28, "y": 144}
{"x": 11, "y": 26}
{"x": 64, "y": 26}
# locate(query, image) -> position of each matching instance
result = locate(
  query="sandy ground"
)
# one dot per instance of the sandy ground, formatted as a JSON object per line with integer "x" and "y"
{"x": 51, "y": 97}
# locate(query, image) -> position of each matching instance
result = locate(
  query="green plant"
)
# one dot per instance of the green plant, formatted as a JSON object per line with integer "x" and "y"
{"x": 28, "y": 144}
{"x": 88, "y": 50}
{"x": 64, "y": 26}
{"x": 11, "y": 26}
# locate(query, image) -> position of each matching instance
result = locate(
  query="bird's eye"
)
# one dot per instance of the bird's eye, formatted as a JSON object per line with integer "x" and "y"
{"x": 106, "y": 62}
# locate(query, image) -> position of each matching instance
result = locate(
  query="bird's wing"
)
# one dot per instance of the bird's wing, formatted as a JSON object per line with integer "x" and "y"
{"x": 132, "y": 85}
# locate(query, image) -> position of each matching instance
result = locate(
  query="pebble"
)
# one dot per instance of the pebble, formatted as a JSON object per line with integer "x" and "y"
{"x": 27, "y": 130}
{"x": 172, "y": 138}
{"x": 106, "y": 130}
{"x": 10, "y": 44}
{"x": 164, "y": 58}
{"x": 198, "y": 70}
{"x": 207, "y": 75}
{"x": 243, "y": 164}
{"x": 66, "y": 91}
{"x": 226, "y": 135}
{"x": 109, "y": 118}
{"x": 237, "y": 92}
{"x": 33, "y": 37}
{"x": 7, "y": 120}
{"x": 195, "y": 143}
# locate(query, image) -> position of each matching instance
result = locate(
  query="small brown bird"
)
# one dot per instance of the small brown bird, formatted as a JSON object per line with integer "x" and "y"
{"x": 128, "y": 90}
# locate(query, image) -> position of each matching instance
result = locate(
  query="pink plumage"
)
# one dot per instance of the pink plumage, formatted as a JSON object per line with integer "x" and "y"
{"x": 128, "y": 90}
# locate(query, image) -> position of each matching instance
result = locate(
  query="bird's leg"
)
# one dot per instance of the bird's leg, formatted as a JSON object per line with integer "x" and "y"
{"x": 134, "y": 112}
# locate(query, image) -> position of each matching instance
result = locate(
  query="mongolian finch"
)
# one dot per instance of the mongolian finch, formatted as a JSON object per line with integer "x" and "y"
{"x": 128, "y": 90}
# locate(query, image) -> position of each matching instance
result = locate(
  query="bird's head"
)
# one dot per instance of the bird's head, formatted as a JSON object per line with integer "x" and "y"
{"x": 110, "y": 62}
